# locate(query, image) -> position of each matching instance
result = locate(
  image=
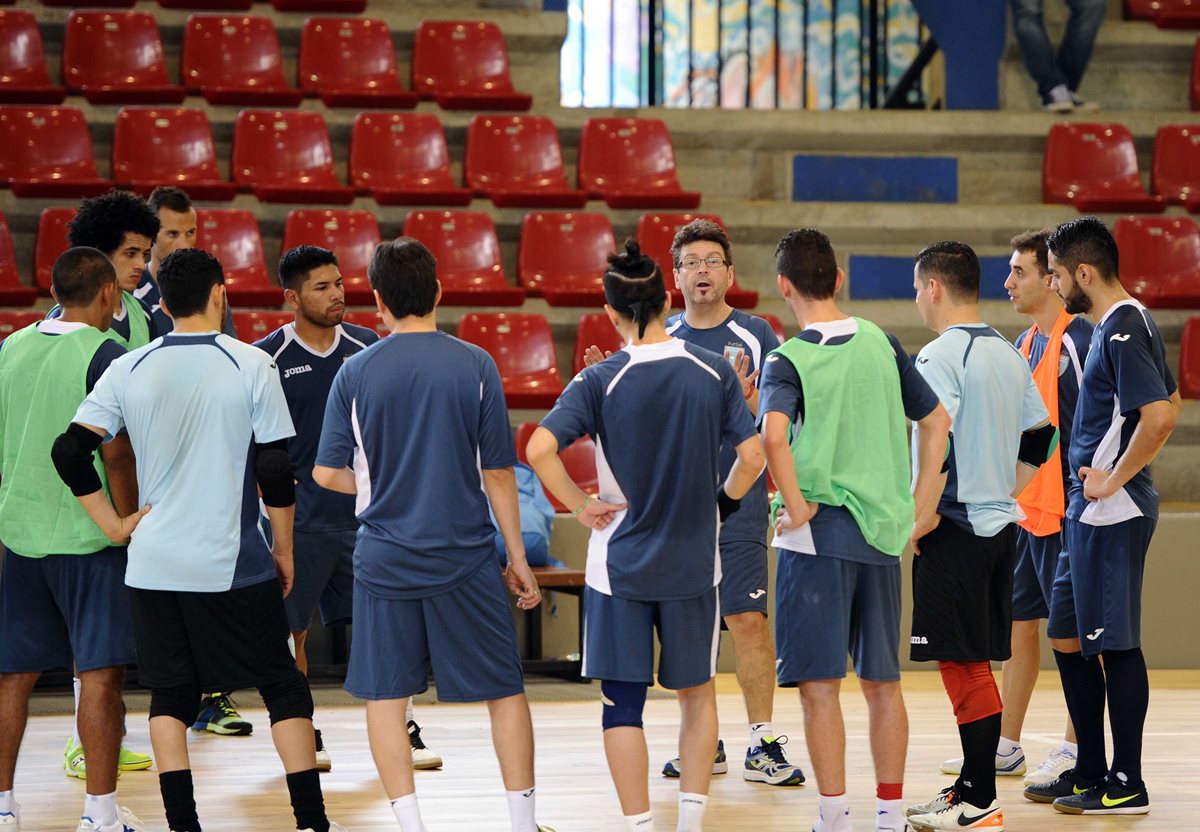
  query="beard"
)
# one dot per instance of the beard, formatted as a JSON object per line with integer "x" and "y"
{"x": 1077, "y": 302}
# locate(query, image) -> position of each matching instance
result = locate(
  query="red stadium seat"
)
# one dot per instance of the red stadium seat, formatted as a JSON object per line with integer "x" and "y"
{"x": 47, "y": 152}
{"x": 1189, "y": 359}
{"x": 776, "y": 325}
{"x": 51, "y": 241}
{"x": 12, "y": 291}
{"x": 1177, "y": 14}
{"x": 402, "y": 159}
{"x": 208, "y": 5}
{"x": 13, "y": 319}
{"x": 254, "y": 325}
{"x": 117, "y": 58}
{"x": 235, "y": 60}
{"x": 1160, "y": 260}
{"x": 1141, "y": 9}
{"x": 351, "y": 235}
{"x": 563, "y": 257}
{"x": 23, "y": 75}
{"x": 332, "y": 6}
{"x": 350, "y": 62}
{"x": 579, "y": 459}
{"x": 523, "y": 348}
{"x": 463, "y": 65}
{"x": 655, "y": 232}
{"x": 1175, "y": 171}
{"x": 1194, "y": 87}
{"x": 517, "y": 162}
{"x": 595, "y": 330}
{"x": 370, "y": 320}
{"x": 153, "y": 147}
{"x": 232, "y": 236}
{"x": 286, "y": 156}
{"x": 1094, "y": 167}
{"x": 630, "y": 163}
{"x": 468, "y": 257}
{"x": 101, "y": 4}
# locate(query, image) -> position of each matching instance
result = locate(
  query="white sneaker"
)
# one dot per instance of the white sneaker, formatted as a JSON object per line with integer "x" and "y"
{"x": 11, "y": 821}
{"x": 333, "y": 827}
{"x": 936, "y": 805}
{"x": 323, "y": 761}
{"x": 1009, "y": 765}
{"x": 128, "y": 822}
{"x": 1059, "y": 100}
{"x": 423, "y": 758}
{"x": 960, "y": 816}
{"x": 1060, "y": 760}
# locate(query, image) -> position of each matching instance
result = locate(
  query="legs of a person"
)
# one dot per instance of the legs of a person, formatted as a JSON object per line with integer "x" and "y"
{"x": 299, "y": 637}
{"x": 825, "y": 733}
{"x": 512, "y": 737}
{"x": 1075, "y": 51}
{"x": 889, "y": 729}
{"x": 14, "y": 713}
{"x": 100, "y": 722}
{"x": 629, "y": 766}
{"x": 754, "y": 662}
{"x": 1018, "y": 677}
{"x": 1029, "y": 27}
{"x": 389, "y": 746}
{"x": 697, "y": 736}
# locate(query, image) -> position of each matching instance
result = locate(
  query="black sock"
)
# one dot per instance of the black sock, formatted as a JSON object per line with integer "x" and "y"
{"x": 307, "y": 802}
{"x": 1083, "y": 688}
{"x": 979, "y": 741}
{"x": 179, "y": 800}
{"x": 1128, "y": 701}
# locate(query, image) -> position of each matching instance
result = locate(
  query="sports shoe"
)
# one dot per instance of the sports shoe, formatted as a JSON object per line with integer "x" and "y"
{"x": 1106, "y": 798}
{"x": 128, "y": 822}
{"x": 720, "y": 763}
{"x": 423, "y": 758}
{"x": 766, "y": 764}
{"x": 1065, "y": 785}
{"x": 11, "y": 821}
{"x": 323, "y": 761}
{"x": 1058, "y": 761}
{"x": 218, "y": 715}
{"x": 132, "y": 761}
{"x": 936, "y": 805}
{"x": 962, "y": 815}
{"x": 1011, "y": 765}
{"x": 73, "y": 762}
{"x": 333, "y": 827}
{"x": 1059, "y": 100}
{"x": 1082, "y": 105}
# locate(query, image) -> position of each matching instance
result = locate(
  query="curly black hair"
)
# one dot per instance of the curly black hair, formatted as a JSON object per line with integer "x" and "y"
{"x": 103, "y": 221}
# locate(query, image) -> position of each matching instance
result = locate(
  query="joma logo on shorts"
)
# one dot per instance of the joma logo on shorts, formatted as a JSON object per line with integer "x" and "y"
{"x": 295, "y": 371}
{"x": 918, "y": 640}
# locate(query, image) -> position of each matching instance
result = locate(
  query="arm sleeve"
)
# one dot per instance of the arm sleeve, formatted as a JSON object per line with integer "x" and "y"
{"x": 737, "y": 424}
{"x": 576, "y": 413}
{"x": 918, "y": 397}
{"x": 337, "y": 431}
{"x": 109, "y": 352}
{"x": 269, "y": 414}
{"x": 1033, "y": 411}
{"x": 496, "y": 446}
{"x": 781, "y": 390}
{"x": 102, "y": 407}
{"x": 1141, "y": 373}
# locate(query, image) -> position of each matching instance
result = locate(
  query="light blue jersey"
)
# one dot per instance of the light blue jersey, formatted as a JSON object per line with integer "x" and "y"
{"x": 193, "y": 405}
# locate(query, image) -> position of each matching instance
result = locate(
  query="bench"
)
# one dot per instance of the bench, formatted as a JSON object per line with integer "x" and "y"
{"x": 571, "y": 582}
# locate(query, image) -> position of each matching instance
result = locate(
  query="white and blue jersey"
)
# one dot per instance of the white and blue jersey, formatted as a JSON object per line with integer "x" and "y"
{"x": 194, "y": 405}
{"x": 740, "y": 334}
{"x": 419, "y": 413}
{"x": 658, "y": 414}
{"x": 989, "y": 392}
{"x": 307, "y": 376}
{"x": 1126, "y": 369}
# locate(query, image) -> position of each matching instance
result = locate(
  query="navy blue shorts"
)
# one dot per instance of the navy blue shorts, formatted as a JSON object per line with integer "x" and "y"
{"x": 1107, "y": 563}
{"x": 1033, "y": 576}
{"x": 62, "y": 609}
{"x": 618, "y": 639}
{"x": 324, "y": 578}
{"x": 826, "y": 607}
{"x": 464, "y": 636}
{"x": 1061, "y": 623}
{"x": 743, "y": 577}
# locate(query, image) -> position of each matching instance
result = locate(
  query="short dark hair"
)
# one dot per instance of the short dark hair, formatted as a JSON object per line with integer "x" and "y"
{"x": 297, "y": 264}
{"x": 805, "y": 257}
{"x": 171, "y": 198}
{"x": 700, "y": 230}
{"x": 1034, "y": 242}
{"x": 1088, "y": 241}
{"x": 186, "y": 278}
{"x": 103, "y": 221}
{"x": 956, "y": 267}
{"x": 79, "y": 274}
{"x": 633, "y": 285}
{"x": 404, "y": 273}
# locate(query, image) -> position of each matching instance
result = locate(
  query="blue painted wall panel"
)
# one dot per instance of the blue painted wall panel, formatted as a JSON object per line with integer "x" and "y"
{"x": 874, "y": 179}
{"x": 876, "y": 277}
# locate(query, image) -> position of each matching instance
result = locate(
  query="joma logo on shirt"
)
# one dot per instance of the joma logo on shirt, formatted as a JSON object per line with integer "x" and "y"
{"x": 295, "y": 371}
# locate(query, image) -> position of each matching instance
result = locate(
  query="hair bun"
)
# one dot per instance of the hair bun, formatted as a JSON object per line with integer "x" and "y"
{"x": 633, "y": 249}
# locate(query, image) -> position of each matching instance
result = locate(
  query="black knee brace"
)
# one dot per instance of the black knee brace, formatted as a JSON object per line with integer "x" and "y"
{"x": 179, "y": 703}
{"x": 288, "y": 698}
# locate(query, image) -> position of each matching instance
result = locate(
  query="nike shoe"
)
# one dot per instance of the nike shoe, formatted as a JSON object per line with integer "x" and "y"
{"x": 720, "y": 763}
{"x": 1107, "y": 798}
{"x": 961, "y": 815}
{"x": 128, "y": 822}
{"x": 766, "y": 764}
{"x": 423, "y": 758}
{"x": 943, "y": 799}
{"x": 1011, "y": 765}
{"x": 11, "y": 821}
{"x": 132, "y": 761}
{"x": 1065, "y": 785}
{"x": 1052, "y": 767}
{"x": 218, "y": 715}
{"x": 323, "y": 761}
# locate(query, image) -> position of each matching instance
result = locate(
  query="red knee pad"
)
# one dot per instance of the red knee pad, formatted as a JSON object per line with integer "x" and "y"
{"x": 972, "y": 690}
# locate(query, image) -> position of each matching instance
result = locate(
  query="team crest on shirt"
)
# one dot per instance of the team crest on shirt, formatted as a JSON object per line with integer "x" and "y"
{"x": 733, "y": 353}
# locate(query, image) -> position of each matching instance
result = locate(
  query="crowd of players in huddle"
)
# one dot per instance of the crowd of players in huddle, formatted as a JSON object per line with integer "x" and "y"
{"x": 1025, "y": 494}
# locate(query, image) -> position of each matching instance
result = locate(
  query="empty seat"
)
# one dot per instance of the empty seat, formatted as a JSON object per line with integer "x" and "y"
{"x": 655, "y": 232}
{"x": 286, "y": 156}
{"x": 350, "y": 62}
{"x": 463, "y": 65}
{"x": 47, "y": 152}
{"x": 153, "y": 147}
{"x": 1194, "y": 87}
{"x": 630, "y": 163}
{"x": 208, "y": 5}
{"x": 51, "y": 241}
{"x": 117, "y": 58}
{"x": 579, "y": 458}
{"x": 351, "y": 235}
{"x": 1189, "y": 359}
{"x": 12, "y": 291}
{"x": 1160, "y": 260}
{"x": 468, "y": 257}
{"x": 1175, "y": 170}
{"x": 102, "y": 4}
{"x": 516, "y": 161}
{"x": 254, "y": 325}
{"x": 1141, "y": 9}
{"x": 13, "y": 319}
{"x": 333, "y": 6}
{"x": 595, "y": 330}
{"x": 1177, "y": 14}
{"x": 235, "y": 60}
{"x": 523, "y": 348}
{"x": 563, "y": 257}
{"x": 231, "y": 235}
{"x": 23, "y": 75}
{"x": 370, "y": 320}
{"x": 402, "y": 159}
{"x": 1094, "y": 167}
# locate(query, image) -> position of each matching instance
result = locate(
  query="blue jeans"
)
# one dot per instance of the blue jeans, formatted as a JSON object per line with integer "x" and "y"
{"x": 1067, "y": 67}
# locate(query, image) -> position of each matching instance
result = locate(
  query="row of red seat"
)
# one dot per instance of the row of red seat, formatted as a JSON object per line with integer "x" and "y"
{"x": 1165, "y": 14}
{"x": 336, "y": 6}
{"x": 398, "y": 158}
{"x": 118, "y": 58}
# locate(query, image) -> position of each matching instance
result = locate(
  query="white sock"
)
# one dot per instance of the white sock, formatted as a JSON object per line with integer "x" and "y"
{"x": 640, "y": 823}
{"x": 691, "y": 811}
{"x": 8, "y": 803}
{"x": 101, "y": 808}
{"x": 408, "y": 711}
{"x": 407, "y": 814}
{"x": 521, "y": 810}
{"x": 835, "y": 811}
{"x": 1006, "y": 747}
{"x": 760, "y": 731}
{"x": 75, "y": 723}
{"x": 889, "y": 814}
{"x": 1071, "y": 748}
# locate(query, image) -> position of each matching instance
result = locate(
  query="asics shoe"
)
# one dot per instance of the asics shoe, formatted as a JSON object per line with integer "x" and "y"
{"x": 943, "y": 799}
{"x": 218, "y": 715}
{"x": 1060, "y": 760}
{"x": 720, "y": 763}
{"x": 766, "y": 764}
{"x": 1010, "y": 765}
{"x": 128, "y": 822}
{"x": 960, "y": 815}
{"x": 132, "y": 761}
{"x": 323, "y": 761}
{"x": 1107, "y": 798}
{"x": 1065, "y": 785}
{"x": 423, "y": 758}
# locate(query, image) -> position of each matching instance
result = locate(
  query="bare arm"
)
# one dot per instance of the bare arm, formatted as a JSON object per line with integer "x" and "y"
{"x": 932, "y": 435}
{"x": 335, "y": 479}
{"x": 120, "y": 468}
{"x": 73, "y": 457}
{"x": 1155, "y": 424}
{"x": 783, "y": 471}
{"x": 542, "y": 453}
{"x": 746, "y": 468}
{"x": 281, "y": 520}
{"x": 500, "y": 484}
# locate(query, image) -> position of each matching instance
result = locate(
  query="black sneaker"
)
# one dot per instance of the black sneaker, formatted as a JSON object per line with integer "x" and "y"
{"x": 423, "y": 758}
{"x": 1107, "y": 798}
{"x": 1066, "y": 785}
{"x": 323, "y": 761}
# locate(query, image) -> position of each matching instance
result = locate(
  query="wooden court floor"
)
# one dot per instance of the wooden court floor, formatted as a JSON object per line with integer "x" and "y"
{"x": 240, "y": 786}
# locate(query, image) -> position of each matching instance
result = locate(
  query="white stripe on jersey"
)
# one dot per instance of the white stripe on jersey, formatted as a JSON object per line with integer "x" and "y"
{"x": 362, "y": 472}
{"x": 596, "y": 571}
{"x": 646, "y": 353}
{"x": 751, "y": 341}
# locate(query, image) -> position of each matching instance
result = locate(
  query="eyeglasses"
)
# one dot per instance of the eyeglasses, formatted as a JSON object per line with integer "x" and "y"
{"x": 690, "y": 264}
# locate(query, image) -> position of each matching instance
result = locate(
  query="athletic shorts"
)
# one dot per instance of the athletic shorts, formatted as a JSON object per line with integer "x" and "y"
{"x": 1033, "y": 576}
{"x": 743, "y": 577}
{"x": 464, "y": 636}
{"x": 1061, "y": 623}
{"x": 222, "y": 641}
{"x": 618, "y": 639}
{"x": 324, "y": 578}
{"x": 64, "y": 609}
{"x": 1105, "y": 577}
{"x": 962, "y": 595}
{"x": 826, "y": 607}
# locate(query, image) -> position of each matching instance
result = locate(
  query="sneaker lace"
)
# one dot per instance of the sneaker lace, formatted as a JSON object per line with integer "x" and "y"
{"x": 226, "y": 705}
{"x": 774, "y": 750}
{"x": 1057, "y": 758}
{"x": 414, "y": 736}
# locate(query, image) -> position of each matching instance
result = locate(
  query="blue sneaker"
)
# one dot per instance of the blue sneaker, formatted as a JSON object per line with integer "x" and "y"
{"x": 218, "y": 715}
{"x": 720, "y": 763}
{"x": 766, "y": 764}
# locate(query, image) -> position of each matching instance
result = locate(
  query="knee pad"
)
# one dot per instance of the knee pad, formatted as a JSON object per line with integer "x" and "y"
{"x": 972, "y": 690}
{"x": 289, "y": 698}
{"x": 623, "y": 704}
{"x": 179, "y": 703}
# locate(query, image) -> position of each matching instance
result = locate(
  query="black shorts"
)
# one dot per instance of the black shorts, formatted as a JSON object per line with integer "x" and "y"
{"x": 962, "y": 595}
{"x": 222, "y": 641}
